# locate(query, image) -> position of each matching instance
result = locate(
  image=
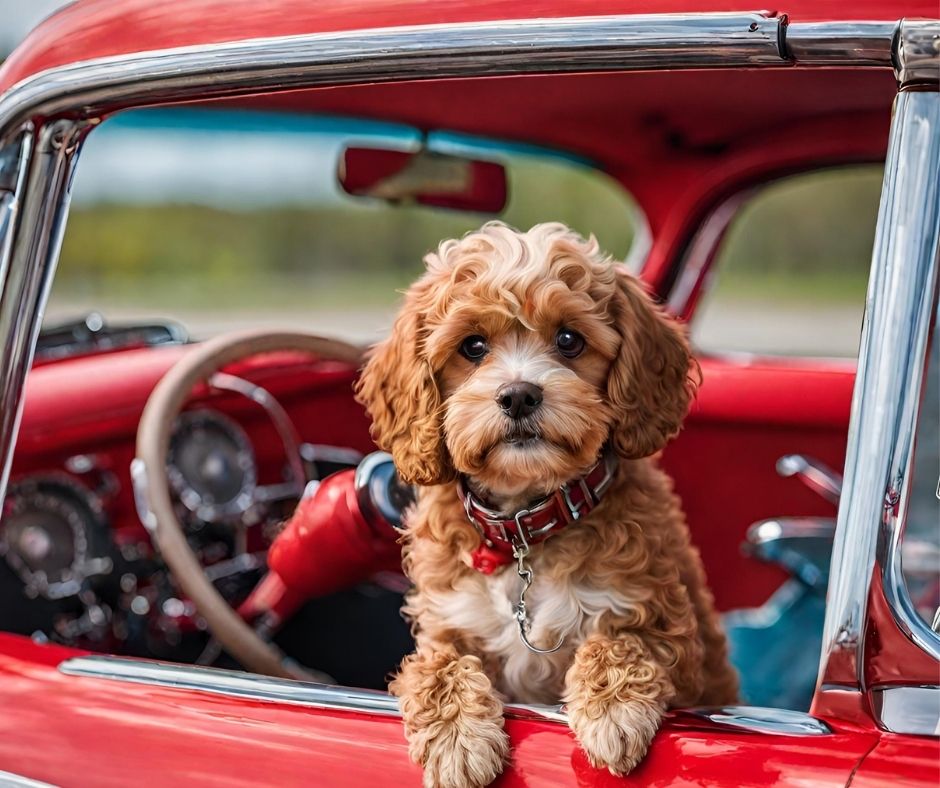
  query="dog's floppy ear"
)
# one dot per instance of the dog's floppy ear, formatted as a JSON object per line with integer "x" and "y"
{"x": 398, "y": 389}
{"x": 654, "y": 377}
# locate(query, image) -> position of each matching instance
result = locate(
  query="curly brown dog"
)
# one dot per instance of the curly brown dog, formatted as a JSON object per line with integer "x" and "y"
{"x": 525, "y": 385}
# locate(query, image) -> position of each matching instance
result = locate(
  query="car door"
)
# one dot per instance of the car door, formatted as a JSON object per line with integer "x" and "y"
{"x": 108, "y": 721}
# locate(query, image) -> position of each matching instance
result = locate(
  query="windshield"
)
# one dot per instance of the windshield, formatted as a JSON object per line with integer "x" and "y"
{"x": 224, "y": 219}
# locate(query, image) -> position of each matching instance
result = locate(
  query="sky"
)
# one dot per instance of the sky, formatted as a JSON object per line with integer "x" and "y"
{"x": 18, "y": 17}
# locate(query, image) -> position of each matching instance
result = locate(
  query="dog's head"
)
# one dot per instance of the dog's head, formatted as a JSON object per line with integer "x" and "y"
{"x": 516, "y": 357}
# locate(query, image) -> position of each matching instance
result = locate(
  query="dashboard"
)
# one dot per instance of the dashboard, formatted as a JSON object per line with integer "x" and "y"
{"x": 77, "y": 565}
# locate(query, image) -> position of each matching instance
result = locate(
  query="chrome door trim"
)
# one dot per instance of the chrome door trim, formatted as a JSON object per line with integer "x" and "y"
{"x": 755, "y": 719}
{"x": 911, "y": 710}
{"x": 892, "y": 356}
{"x": 232, "y": 683}
{"x": 236, "y": 684}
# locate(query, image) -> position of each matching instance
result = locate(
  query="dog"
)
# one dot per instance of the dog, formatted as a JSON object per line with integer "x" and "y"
{"x": 527, "y": 383}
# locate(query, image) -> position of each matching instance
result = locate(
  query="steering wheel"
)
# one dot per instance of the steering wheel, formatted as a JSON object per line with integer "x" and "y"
{"x": 151, "y": 482}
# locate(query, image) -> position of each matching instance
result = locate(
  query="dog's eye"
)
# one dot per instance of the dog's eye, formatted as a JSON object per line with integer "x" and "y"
{"x": 474, "y": 348}
{"x": 569, "y": 343}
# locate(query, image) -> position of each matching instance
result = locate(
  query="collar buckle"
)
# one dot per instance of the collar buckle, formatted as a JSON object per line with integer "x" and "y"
{"x": 515, "y": 534}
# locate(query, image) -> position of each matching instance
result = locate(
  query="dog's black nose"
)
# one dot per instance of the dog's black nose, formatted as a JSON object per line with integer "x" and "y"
{"x": 519, "y": 399}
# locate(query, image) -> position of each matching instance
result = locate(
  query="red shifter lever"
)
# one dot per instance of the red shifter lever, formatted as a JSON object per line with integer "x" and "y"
{"x": 337, "y": 537}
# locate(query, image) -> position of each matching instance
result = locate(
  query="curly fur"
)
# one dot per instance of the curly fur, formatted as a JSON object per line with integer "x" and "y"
{"x": 623, "y": 586}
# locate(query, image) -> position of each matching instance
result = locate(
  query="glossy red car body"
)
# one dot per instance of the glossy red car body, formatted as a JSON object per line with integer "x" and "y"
{"x": 747, "y": 127}
{"x": 96, "y": 733}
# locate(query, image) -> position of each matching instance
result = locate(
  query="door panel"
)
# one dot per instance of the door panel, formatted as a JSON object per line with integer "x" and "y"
{"x": 104, "y": 732}
{"x": 901, "y": 762}
{"x": 748, "y": 413}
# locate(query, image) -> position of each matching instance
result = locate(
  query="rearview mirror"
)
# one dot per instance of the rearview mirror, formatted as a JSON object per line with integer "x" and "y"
{"x": 426, "y": 178}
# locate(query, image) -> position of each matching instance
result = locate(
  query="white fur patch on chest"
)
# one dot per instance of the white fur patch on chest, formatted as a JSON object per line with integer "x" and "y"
{"x": 482, "y": 606}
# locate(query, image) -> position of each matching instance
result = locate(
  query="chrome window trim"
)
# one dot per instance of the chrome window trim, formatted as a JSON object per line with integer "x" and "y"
{"x": 832, "y": 43}
{"x": 30, "y": 254}
{"x": 695, "y": 263}
{"x": 920, "y": 134}
{"x": 756, "y": 719}
{"x": 12, "y": 780}
{"x": 918, "y": 53}
{"x": 892, "y": 356}
{"x": 234, "y": 684}
{"x": 524, "y": 46}
{"x": 85, "y": 91}
{"x": 911, "y": 710}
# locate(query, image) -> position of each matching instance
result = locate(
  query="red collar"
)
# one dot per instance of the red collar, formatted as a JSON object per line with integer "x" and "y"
{"x": 535, "y": 524}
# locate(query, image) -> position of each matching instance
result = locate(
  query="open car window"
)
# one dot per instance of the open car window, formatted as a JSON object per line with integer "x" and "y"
{"x": 790, "y": 275}
{"x": 224, "y": 219}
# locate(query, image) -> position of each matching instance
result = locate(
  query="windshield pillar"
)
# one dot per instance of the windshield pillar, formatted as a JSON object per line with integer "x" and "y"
{"x": 892, "y": 358}
{"x": 32, "y": 219}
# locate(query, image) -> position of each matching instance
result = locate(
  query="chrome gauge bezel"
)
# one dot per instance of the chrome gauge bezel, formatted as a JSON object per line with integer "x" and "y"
{"x": 59, "y": 490}
{"x": 187, "y": 495}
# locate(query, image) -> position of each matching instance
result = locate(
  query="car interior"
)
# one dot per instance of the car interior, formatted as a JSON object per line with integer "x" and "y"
{"x": 313, "y": 208}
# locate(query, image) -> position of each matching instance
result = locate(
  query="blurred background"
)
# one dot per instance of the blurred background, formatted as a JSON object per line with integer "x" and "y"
{"x": 225, "y": 219}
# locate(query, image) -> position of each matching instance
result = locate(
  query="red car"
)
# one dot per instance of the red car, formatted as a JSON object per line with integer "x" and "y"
{"x": 132, "y": 536}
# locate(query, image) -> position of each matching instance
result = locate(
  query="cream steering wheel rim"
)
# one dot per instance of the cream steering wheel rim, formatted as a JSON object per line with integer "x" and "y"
{"x": 153, "y": 442}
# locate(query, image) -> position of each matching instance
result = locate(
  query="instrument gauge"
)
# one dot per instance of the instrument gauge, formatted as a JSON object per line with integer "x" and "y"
{"x": 211, "y": 466}
{"x": 53, "y": 536}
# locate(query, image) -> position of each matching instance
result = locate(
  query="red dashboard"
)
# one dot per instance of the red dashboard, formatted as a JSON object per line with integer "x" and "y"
{"x": 78, "y": 556}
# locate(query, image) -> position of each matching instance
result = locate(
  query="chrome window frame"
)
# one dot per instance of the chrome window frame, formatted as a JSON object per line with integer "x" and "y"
{"x": 54, "y": 111}
{"x": 917, "y": 117}
{"x": 899, "y": 314}
{"x": 892, "y": 359}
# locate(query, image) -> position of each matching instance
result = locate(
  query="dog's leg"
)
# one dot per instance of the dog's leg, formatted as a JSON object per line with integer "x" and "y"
{"x": 616, "y": 696}
{"x": 720, "y": 685}
{"x": 453, "y": 718}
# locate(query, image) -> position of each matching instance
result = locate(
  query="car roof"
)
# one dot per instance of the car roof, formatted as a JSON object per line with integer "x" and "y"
{"x": 90, "y": 29}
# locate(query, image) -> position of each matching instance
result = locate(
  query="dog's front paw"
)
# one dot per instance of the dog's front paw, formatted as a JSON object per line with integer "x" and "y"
{"x": 468, "y": 754}
{"x": 618, "y": 737}
{"x": 453, "y": 719}
{"x": 616, "y": 697}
